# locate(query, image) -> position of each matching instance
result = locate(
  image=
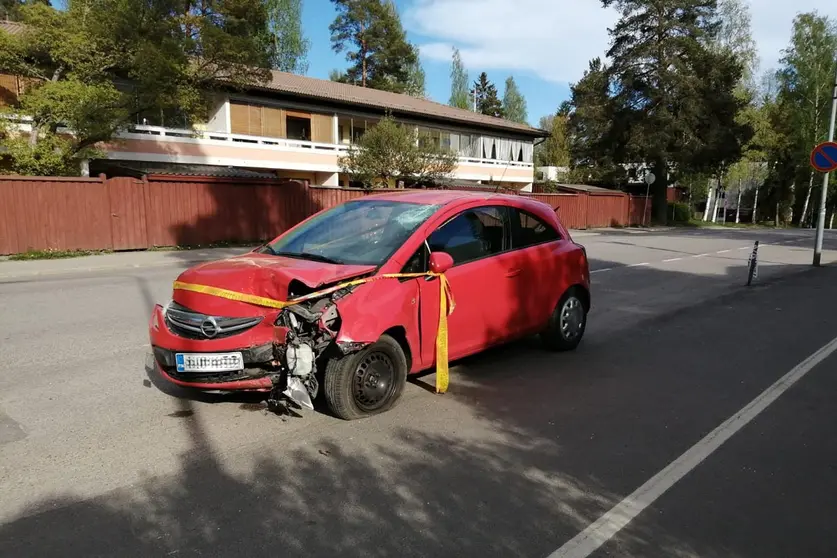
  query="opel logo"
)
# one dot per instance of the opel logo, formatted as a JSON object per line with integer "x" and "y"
{"x": 209, "y": 327}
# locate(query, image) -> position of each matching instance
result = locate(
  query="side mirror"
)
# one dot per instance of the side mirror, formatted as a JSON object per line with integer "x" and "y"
{"x": 440, "y": 262}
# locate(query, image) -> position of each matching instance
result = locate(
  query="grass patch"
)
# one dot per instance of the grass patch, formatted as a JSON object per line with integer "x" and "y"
{"x": 697, "y": 223}
{"x": 54, "y": 254}
{"x": 179, "y": 248}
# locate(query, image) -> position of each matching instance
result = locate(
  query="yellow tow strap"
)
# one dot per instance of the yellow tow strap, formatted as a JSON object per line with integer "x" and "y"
{"x": 446, "y": 307}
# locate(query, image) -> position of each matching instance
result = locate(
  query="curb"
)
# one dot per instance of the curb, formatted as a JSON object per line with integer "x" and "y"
{"x": 75, "y": 270}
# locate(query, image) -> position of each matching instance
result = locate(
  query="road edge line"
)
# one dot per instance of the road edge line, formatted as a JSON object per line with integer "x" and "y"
{"x": 617, "y": 518}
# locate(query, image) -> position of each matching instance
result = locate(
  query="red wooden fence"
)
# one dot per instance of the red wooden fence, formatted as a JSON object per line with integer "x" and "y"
{"x": 38, "y": 213}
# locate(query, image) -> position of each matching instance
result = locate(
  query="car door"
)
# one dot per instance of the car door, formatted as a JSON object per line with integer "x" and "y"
{"x": 536, "y": 246}
{"x": 481, "y": 280}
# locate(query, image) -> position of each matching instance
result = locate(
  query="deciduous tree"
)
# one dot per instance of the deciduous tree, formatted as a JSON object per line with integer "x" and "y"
{"x": 806, "y": 81}
{"x": 514, "y": 104}
{"x": 389, "y": 152}
{"x": 555, "y": 150}
{"x": 93, "y": 67}
{"x": 416, "y": 78}
{"x": 290, "y": 46}
{"x": 459, "y": 95}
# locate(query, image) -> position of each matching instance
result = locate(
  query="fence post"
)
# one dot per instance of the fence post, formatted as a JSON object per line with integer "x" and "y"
{"x": 627, "y": 210}
{"x": 586, "y": 210}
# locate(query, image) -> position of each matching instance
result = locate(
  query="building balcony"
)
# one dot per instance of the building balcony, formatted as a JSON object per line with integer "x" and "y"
{"x": 205, "y": 147}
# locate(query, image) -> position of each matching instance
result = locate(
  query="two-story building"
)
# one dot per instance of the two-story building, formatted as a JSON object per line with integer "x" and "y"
{"x": 297, "y": 127}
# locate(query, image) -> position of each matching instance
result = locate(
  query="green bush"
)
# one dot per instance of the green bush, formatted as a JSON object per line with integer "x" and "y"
{"x": 679, "y": 212}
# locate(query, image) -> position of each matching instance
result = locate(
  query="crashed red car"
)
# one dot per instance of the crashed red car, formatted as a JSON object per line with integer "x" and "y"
{"x": 512, "y": 267}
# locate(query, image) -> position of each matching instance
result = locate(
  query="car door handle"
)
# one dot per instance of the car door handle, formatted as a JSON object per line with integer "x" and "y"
{"x": 513, "y": 272}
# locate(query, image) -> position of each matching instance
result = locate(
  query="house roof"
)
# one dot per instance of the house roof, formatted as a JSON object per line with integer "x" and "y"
{"x": 331, "y": 91}
{"x": 325, "y": 90}
{"x": 586, "y": 188}
{"x": 12, "y": 27}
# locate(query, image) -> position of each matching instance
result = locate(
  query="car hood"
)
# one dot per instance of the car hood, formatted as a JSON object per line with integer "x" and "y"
{"x": 257, "y": 274}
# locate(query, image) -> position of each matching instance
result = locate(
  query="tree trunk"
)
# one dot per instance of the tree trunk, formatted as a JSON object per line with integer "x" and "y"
{"x": 792, "y": 200}
{"x": 710, "y": 199}
{"x": 738, "y": 204}
{"x": 807, "y": 200}
{"x": 717, "y": 200}
{"x": 777, "y": 214}
{"x": 363, "y": 52}
{"x": 756, "y": 205}
{"x": 659, "y": 202}
{"x": 831, "y": 221}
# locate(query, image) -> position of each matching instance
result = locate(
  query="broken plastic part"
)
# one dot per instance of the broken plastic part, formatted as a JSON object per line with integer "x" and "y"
{"x": 297, "y": 393}
{"x": 349, "y": 347}
{"x": 300, "y": 359}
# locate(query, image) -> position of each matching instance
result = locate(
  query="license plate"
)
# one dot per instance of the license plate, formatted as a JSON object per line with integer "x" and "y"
{"x": 209, "y": 362}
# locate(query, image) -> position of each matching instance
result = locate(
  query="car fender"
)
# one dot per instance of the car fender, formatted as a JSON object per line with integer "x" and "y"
{"x": 377, "y": 307}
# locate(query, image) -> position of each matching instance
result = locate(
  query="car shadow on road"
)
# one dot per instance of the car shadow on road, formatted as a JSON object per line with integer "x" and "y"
{"x": 562, "y": 439}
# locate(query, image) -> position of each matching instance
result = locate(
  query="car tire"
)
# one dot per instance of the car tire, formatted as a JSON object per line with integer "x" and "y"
{"x": 368, "y": 382}
{"x": 567, "y": 323}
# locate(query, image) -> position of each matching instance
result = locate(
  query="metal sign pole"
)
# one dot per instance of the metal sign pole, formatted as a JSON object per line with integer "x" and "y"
{"x": 824, "y": 192}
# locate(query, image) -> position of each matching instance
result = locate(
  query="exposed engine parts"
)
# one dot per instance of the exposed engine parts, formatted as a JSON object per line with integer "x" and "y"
{"x": 312, "y": 329}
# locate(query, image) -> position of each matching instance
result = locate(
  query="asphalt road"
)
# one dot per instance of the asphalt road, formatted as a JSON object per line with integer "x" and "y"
{"x": 526, "y": 450}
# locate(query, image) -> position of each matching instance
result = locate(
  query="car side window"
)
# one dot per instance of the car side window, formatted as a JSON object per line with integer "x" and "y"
{"x": 471, "y": 235}
{"x": 532, "y": 230}
{"x": 417, "y": 263}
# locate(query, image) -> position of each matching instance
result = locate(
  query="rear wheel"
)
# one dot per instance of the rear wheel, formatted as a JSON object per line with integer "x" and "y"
{"x": 368, "y": 382}
{"x": 567, "y": 323}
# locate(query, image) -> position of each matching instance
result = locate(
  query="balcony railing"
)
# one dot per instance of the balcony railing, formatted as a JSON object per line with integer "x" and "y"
{"x": 281, "y": 144}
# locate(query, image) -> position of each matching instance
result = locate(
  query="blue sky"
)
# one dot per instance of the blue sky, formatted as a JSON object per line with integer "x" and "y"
{"x": 541, "y": 97}
{"x": 544, "y": 44}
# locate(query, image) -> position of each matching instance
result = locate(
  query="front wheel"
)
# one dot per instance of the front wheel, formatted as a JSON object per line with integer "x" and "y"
{"x": 368, "y": 382}
{"x": 567, "y": 323}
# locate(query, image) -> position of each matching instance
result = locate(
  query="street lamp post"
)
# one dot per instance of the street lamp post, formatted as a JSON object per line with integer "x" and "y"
{"x": 824, "y": 192}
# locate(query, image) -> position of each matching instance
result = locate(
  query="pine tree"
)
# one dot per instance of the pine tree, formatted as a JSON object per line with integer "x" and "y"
{"x": 376, "y": 46}
{"x": 487, "y": 100}
{"x": 459, "y": 94}
{"x": 667, "y": 80}
{"x": 514, "y": 105}
{"x": 594, "y": 138}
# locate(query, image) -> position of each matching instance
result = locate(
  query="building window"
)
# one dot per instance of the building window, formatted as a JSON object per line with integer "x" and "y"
{"x": 298, "y": 128}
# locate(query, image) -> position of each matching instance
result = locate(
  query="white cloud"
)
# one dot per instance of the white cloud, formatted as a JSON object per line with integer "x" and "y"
{"x": 555, "y": 39}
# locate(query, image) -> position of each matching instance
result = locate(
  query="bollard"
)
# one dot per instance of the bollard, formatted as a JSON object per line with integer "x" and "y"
{"x": 753, "y": 264}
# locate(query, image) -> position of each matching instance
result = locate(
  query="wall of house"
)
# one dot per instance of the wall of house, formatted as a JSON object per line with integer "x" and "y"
{"x": 218, "y": 117}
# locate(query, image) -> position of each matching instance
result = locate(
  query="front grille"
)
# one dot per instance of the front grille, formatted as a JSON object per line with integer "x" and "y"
{"x": 195, "y": 325}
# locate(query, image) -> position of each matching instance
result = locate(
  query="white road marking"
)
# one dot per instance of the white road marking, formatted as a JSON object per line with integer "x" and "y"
{"x": 723, "y": 251}
{"x": 744, "y": 248}
{"x": 601, "y": 270}
{"x": 607, "y": 526}
{"x": 638, "y": 264}
{"x": 672, "y": 260}
{"x": 699, "y": 255}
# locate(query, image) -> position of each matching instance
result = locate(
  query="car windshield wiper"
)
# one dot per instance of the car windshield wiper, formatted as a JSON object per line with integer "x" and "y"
{"x": 309, "y": 256}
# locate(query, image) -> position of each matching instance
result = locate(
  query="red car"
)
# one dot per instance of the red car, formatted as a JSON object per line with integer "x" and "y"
{"x": 512, "y": 268}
